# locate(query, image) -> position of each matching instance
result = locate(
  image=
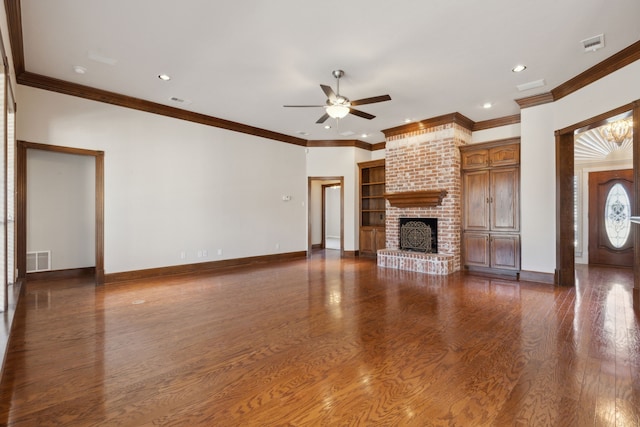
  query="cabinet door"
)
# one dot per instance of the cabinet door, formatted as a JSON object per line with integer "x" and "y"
{"x": 505, "y": 251}
{"x": 380, "y": 237}
{"x": 367, "y": 241}
{"x": 475, "y": 159}
{"x": 505, "y": 155}
{"x": 504, "y": 201}
{"x": 476, "y": 249}
{"x": 476, "y": 200}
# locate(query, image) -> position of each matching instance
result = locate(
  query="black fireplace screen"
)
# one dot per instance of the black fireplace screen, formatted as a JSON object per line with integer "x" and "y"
{"x": 419, "y": 234}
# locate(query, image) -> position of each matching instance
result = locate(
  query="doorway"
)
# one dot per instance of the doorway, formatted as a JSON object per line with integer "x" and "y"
{"x": 21, "y": 204}
{"x": 331, "y": 216}
{"x": 325, "y": 216}
{"x": 565, "y": 188}
{"x": 610, "y": 201}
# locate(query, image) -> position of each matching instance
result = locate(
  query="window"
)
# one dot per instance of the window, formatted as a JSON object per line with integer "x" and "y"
{"x": 617, "y": 215}
{"x": 577, "y": 215}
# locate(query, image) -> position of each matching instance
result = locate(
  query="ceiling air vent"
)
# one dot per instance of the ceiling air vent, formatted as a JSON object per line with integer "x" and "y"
{"x": 180, "y": 100}
{"x": 593, "y": 43}
{"x": 531, "y": 85}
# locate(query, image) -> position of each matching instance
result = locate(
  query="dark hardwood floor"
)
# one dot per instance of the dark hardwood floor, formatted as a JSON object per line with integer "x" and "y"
{"x": 325, "y": 342}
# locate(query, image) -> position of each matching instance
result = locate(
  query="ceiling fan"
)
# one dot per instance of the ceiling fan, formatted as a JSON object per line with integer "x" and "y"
{"x": 338, "y": 106}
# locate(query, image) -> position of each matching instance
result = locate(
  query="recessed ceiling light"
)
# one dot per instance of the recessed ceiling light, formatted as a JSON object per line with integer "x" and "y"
{"x": 164, "y": 77}
{"x": 303, "y": 133}
{"x": 79, "y": 69}
{"x": 327, "y": 126}
{"x": 487, "y": 105}
{"x": 519, "y": 68}
{"x": 364, "y": 135}
{"x": 407, "y": 120}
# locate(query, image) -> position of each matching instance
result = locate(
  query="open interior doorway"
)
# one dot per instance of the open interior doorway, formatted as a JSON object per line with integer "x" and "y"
{"x": 96, "y": 158}
{"x": 326, "y": 214}
{"x": 566, "y": 233}
{"x": 331, "y": 216}
{"x": 603, "y": 165}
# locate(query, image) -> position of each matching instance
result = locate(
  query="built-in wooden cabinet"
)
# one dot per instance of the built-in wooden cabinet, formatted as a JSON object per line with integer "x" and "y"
{"x": 372, "y": 206}
{"x": 491, "y": 206}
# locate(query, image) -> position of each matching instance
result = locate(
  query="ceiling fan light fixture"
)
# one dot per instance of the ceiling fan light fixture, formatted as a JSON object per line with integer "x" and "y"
{"x": 337, "y": 111}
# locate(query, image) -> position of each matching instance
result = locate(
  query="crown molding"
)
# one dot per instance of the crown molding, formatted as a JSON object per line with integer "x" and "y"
{"x": 495, "y": 123}
{"x": 379, "y": 146}
{"x": 14, "y": 18}
{"x": 532, "y": 101}
{"x": 457, "y": 118}
{"x": 14, "y": 21}
{"x": 613, "y": 63}
{"x": 86, "y": 92}
{"x": 339, "y": 143}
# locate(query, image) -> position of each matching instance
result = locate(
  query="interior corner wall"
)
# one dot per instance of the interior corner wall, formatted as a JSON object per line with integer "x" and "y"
{"x": 174, "y": 187}
{"x": 378, "y": 154}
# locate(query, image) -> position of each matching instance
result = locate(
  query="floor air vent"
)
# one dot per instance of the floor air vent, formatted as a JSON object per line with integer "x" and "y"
{"x": 38, "y": 261}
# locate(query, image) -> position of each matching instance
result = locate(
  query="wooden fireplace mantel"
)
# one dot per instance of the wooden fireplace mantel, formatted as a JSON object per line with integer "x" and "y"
{"x": 417, "y": 199}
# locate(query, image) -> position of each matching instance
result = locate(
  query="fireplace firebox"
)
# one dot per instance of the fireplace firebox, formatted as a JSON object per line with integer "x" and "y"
{"x": 419, "y": 235}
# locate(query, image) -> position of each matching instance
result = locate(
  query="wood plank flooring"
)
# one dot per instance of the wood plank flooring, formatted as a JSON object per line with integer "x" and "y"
{"x": 325, "y": 342}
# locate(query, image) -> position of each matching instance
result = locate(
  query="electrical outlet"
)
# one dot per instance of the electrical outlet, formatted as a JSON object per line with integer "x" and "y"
{"x": 219, "y": 251}
{"x": 183, "y": 255}
{"x": 277, "y": 245}
{"x": 199, "y": 254}
{"x": 205, "y": 253}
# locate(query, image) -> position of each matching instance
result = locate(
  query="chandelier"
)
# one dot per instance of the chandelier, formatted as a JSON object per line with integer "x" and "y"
{"x": 617, "y": 131}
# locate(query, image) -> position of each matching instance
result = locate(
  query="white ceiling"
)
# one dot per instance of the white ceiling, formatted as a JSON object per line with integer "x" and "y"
{"x": 244, "y": 60}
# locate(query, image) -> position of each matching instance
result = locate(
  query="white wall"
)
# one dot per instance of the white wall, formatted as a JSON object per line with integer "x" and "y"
{"x": 61, "y": 207}
{"x": 537, "y": 190}
{"x": 378, "y": 154}
{"x": 341, "y": 161}
{"x": 315, "y": 215}
{"x": 502, "y": 132}
{"x": 332, "y": 212}
{"x": 174, "y": 186}
{"x": 538, "y": 157}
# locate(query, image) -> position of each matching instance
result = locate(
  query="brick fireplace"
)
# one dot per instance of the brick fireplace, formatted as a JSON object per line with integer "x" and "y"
{"x": 423, "y": 181}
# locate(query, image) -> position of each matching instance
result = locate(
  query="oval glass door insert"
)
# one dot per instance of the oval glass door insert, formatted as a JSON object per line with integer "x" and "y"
{"x": 617, "y": 213}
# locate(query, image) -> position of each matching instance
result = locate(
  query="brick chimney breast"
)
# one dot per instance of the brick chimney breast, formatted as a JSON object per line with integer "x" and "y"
{"x": 426, "y": 159}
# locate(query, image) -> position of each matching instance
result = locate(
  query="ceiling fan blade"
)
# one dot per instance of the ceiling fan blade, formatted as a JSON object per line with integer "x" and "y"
{"x": 361, "y": 114}
{"x": 329, "y": 92}
{"x": 371, "y": 100}
{"x": 299, "y": 106}
{"x": 322, "y": 119}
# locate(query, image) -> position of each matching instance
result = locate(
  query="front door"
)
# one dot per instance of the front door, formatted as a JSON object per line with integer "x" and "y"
{"x": 610, "y": 201}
